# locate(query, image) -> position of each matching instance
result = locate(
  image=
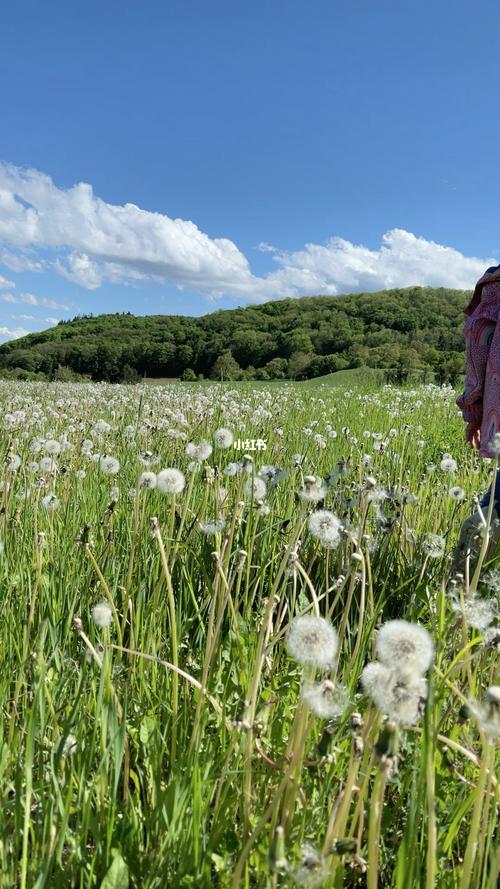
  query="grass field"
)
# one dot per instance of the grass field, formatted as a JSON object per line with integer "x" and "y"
{"x": 202, "y": 682}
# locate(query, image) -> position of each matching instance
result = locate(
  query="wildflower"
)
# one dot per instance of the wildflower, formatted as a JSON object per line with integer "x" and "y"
{"x": 326, "y": 699}
{"x": 170, "y": 481}
{"x": 312, "y": 641}
{"x": 325, "y": 526}
{"x": 199, "y": 451}
{"x": 50, "y": 502}
{"x": 456, "y": 492}
{"x": 313, "y": 489}
{"x": 69, "y": 746}
{"x": 109, "y": 465}
{"x": 434, "y": 545}
{"x": 223, "y": 438}
{"x": 147, "y": 480}
{"x": 406, "y": 645}
{"x": 80, "y": 474}
{"x": 255, "y": 487}
{"x": 102, "y": 614}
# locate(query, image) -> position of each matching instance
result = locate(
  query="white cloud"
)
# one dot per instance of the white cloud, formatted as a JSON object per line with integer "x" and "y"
{"x": 89, "y": 241}
{"x": 7, "y": 333}
{"x": 30, "y": 300}
{"x": 5, "y": 284}
{"x": 51, "y": 320}
{"x": 23, "y": 317}
{"x": 21, "y": 262}
{"x": 403, "y": 259}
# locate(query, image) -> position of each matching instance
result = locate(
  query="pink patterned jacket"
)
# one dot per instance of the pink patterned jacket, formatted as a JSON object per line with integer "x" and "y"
{"x": 480, "y": 400}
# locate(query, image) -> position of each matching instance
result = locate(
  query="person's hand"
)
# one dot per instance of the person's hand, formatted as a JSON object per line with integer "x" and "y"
{"x": 473, "y": 434}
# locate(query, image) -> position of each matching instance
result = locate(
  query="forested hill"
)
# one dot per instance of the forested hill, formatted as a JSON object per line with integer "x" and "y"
{"x": 411, "y": 330}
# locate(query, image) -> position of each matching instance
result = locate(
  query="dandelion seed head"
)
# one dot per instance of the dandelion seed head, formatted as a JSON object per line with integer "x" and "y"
{"x": 456, "y": 492}
{"x": 397, "y": 695}
{"x": 102, "y": 615}
{"x": 312, "y": 871}
{"x": 434, "y": 545}
{"x": 312, "y": 641}
{"x": 13, "y": 462}
{"x": 313, "y": 489}
{"x": 325, "y": 526}
{"x": 223, "y": 438}
{"x": 232, "y": 469}
{"x": 70, "y": 745}
{"x": 491, "y": 638}
{"x": 475, "y": 612}
{"x": 406, "y": 645}
{"x": 109, "y": 465}
{"x": 326, "y": 699}
{"x": 199, "y": 452}
{"x": 263, "y": 508}
{"x": 52, "y": 447}
{"x": 101, "y": 428}
{"x": 147, "y": 480}
{"x": 212, "y": 528}
{"x": 448, "y": 463}
{"x": 170, "y": 481}
{"x": 47, "y": 464}
{"x": 487, "y": 712}
{"x": 50, "y": 502}
{"x": 255, "y": 487}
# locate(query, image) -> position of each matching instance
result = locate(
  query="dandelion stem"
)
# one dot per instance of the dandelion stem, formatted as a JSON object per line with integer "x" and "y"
{"x": 173, "y": 633}
{"x": 473, "y": 835}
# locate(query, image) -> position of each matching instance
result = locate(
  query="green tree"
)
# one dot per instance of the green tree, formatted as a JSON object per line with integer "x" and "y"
{"x": 225, "y": 367}
{"x": 298, "y": 364}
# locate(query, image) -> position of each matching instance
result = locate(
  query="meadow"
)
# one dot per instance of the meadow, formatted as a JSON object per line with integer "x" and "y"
{"x": 233, "y": 651}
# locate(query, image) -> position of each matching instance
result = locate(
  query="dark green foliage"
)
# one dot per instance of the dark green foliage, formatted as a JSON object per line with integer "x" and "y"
{"x": 414, "y": 330}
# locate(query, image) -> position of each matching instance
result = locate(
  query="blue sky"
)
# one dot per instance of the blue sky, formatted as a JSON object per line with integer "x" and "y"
{"x": 185, "y": 156}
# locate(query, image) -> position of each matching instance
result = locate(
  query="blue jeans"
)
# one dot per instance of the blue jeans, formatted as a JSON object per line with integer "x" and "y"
{"x": 496, "y": 496}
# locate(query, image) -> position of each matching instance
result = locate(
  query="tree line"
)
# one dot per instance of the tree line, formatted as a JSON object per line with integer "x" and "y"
{"x": 406, "y": 331}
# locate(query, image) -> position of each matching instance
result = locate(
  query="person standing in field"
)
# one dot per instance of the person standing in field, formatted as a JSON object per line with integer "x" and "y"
{"x": 480, "y": 404}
